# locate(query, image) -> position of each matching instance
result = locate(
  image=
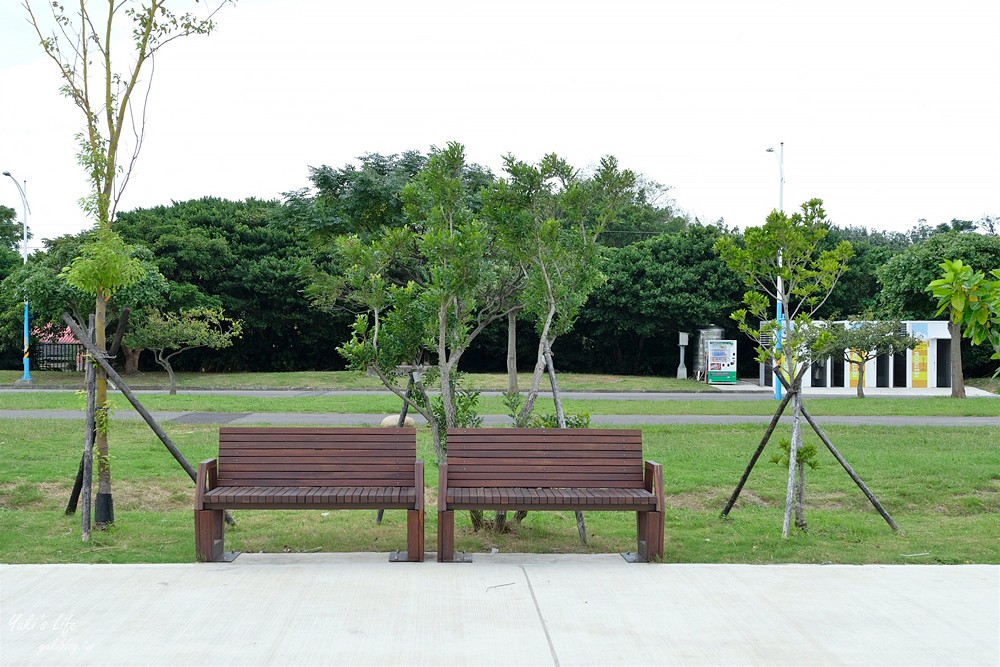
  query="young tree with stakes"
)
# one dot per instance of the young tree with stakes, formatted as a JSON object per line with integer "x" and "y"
{"x": 112, "y": 99}
{"x": 781, "y": 261}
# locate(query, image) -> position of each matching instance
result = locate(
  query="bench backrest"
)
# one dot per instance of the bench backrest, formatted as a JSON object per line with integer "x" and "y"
{"x": 317, "y": 456}
{"x": 545, "y": 458}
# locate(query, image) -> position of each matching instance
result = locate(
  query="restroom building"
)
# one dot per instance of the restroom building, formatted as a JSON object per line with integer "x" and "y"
{"x": 927, "y": 365}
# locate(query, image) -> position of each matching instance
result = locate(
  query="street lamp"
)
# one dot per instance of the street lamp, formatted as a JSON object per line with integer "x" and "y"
{"x": 26, "y": 378}
{"x": 781, "y": 208}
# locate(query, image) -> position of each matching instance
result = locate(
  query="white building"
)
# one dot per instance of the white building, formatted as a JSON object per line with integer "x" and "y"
{"x": 927, "y": 365}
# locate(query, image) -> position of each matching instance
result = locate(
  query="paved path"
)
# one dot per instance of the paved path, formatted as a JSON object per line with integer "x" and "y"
{"x": 358, "y": 609}
{"x": 739, "y": 392}
{"x": 323, "y": 419}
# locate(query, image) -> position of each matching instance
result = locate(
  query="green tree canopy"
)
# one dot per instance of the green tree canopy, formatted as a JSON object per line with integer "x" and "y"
{"x": 655, "y": 289}
{"x": 170, "y": 334}
{"x": 249, "y": 260}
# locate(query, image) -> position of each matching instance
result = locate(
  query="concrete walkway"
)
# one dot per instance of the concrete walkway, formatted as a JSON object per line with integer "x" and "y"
{"x": 517, "y": 609}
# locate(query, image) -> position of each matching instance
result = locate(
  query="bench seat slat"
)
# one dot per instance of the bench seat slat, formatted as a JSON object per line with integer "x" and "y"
{"x": 252, "y": 496}
{"x": 561, "y": 498}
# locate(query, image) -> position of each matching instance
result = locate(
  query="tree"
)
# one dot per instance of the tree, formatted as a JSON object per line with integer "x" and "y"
{"x": 550, "y": 215}
{"x": 428, "y": 288}
{"x": 972, "y": 300}
{"x": 862, "y": 339}
{"x": 51, "y": 295}
{"x": 170, "y": 334}
{"x": 112, "y": 102}
{"x": 781, "y": 261}
{"x": 10, "y": 260}
{"x": 250, "y": 260}
{"x": 654, "y": 289}
{"x": 857, "y": 291}
{"x": 905, "y": 277}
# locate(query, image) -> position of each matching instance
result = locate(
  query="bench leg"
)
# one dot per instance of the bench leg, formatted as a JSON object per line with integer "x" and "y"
{"x": 208, "y": 535}
{"x": 649, "y": 527}
{"x": 415, "y": 536}
{"x": 446, "y": 537}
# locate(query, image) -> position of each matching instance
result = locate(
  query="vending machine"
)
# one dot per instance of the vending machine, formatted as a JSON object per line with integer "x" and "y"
{"x": 721, "y": 361}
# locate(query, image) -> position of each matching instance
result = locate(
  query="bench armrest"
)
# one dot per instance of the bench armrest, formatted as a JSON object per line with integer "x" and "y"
{"x": 206, "y": 479}
{"x": 654, "y": 483}
{"x": 443, "y": 487}
{"x": 418, "y": 468}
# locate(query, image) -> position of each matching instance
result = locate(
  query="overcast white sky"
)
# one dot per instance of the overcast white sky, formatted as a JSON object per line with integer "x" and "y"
{"x": 890, "y": 111}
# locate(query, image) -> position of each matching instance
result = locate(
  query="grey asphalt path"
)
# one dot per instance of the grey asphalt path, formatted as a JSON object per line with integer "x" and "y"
{"x": 739, "y": 392}
{"x": 323, "y": 419}
{"x": 506, "y": 609}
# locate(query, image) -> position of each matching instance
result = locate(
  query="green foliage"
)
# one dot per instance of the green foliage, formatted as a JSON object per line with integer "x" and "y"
{"x": 865, "y": 336}
{"x": 805, "y": 274}
{"x": 905, "y": 277}
{"x": 11, "y": 231}
{"x": 581, "y": 420}
{"x": 512, "y": 401}
{"x": 429, "y": 287}
{"x": 466, "y": 405}
{"x": 186, "y": 330}
{"x": 170, "y": 334}
{"x": 362, "y": 200}
{"x": 40, "y": 281}
{"x": 857, "y": 290}
{"x": 804, "y": 455}
{"x": 105, "y": 265}
{"x": 655, "y": 288}
{"x": 972, "y": 300}
{"x": 80, "y": 50}
{"x": 245, "y": 258}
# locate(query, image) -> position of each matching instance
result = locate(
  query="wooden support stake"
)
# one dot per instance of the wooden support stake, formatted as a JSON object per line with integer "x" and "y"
{"x": 756, "y": 454}
{"x": 850, "y": 471}
{"x": 128, "y": 394}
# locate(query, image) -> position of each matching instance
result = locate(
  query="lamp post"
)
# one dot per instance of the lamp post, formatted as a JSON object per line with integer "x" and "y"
{"x": 26, "y": 378}
{"x": 781, "y": 208}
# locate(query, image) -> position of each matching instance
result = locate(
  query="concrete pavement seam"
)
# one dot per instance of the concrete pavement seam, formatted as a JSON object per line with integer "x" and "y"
{"x": 541, "y": 619}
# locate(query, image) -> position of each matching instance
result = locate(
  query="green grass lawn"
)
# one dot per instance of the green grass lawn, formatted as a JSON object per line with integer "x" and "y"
{"x": 354, "y": 380}
{"x": 942, "y": 486}
{"x": 382, "y": 404}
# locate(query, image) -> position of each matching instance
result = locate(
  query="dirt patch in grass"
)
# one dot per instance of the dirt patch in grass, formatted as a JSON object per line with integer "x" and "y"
{"x": 712, "y": 500}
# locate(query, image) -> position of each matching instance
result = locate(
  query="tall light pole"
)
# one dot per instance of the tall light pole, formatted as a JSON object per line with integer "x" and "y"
{"x": 26, "y": 378}
{"x": 781, "y": 209}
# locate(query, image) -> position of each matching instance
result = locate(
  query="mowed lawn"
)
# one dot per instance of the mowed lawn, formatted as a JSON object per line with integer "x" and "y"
{"x": 380, "y": 404}
{"x": 941, "y": 485}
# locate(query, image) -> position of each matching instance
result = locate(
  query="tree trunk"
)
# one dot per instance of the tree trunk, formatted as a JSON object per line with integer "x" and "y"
{"x": 581, "y": 525}
{"x": 793, "y": 451}
{"x": 560, "y": 415}
{"x": 957, "y": 376}
{"x": 536, "y": 375}
{"x": 512, "y": 351}
{"x": 861, "y": 380}
{"x": 104, "y": 513}
{"x": 87, "y": 476}
{"x": 164, "y": 363}
{"x": 800, "y": 496}
{"x": 444, "y": 367}
{"x": 131, "y": 361}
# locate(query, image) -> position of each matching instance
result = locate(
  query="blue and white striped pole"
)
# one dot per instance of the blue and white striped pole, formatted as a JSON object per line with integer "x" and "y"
{"x": 779, "y": 314}
{"x": 26, "y": 378}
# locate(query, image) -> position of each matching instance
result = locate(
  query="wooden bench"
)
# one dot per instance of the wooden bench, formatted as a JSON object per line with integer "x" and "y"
{"x": 550, "y": 469}
{"x": 310, "y": 468}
